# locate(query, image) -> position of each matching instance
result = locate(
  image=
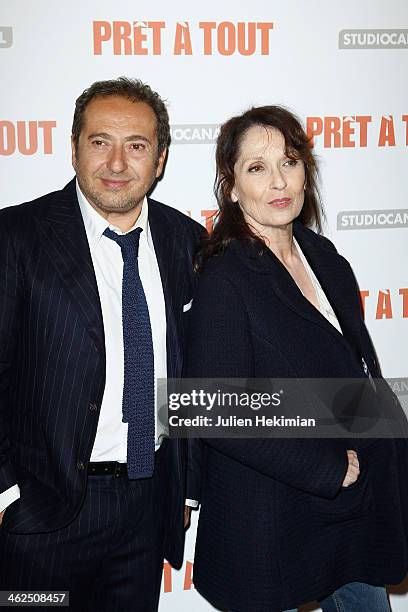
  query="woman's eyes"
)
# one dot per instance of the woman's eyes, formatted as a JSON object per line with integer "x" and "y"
{"x": 288, "y": 163}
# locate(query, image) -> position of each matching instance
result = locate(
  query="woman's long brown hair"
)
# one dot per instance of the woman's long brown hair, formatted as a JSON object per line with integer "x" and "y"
{"x": 229, "y": 221}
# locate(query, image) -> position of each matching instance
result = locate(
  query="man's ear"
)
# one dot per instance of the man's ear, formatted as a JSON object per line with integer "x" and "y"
{"x": 73, "y": 153}
{"x": 160, "y": 162}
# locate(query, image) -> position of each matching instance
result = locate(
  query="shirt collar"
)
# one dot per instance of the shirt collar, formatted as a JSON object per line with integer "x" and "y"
{"x": 95, "y": 224}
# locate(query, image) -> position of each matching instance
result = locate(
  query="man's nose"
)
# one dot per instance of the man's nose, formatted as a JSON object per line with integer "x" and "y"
{"x": 117, "y": 159}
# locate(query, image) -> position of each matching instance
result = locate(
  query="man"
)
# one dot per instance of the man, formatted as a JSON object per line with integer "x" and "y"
{"x": 94, "y": 279}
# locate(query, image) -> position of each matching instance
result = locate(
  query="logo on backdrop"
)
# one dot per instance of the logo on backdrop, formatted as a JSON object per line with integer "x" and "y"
{"x": 6, "y": 37}
{"x": 358, "y": 131}
{"x": 26, "y": 137}
{"x": 385, "y": 303}
{"x": 183, "y": 582}
{"x": 181, "y": 38}
{"x": 351, "y": 131}
{"x": 205, "y": 217}
{"x": 194, "y": 133}
{"x": 372, "y": 219}
{"x": 373, "y": 39}
{"x": 399, "y": 386}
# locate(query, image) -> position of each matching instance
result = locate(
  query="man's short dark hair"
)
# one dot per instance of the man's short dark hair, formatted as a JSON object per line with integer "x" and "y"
{"x": 133, "y": 89}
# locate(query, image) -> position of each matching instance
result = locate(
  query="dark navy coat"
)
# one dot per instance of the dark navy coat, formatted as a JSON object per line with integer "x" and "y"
{"x": 276, "y": 528}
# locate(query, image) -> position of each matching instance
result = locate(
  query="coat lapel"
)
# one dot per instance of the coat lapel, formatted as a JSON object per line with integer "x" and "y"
{"x": 337, "y": 281}
{"x": 170, "y": 260}
{"x": 64, "y": 240}
{"x": 333, "y": 273}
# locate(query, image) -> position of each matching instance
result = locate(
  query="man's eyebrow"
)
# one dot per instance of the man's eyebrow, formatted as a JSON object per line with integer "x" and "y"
{"x": 127, "y": 139}
{"x": 99, "y": 135}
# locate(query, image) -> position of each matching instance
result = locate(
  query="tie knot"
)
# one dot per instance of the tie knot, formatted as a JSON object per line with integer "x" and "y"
{"x": 129, "y": 243}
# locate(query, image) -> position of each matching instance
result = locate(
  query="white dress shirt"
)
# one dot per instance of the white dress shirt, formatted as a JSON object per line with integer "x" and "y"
{"x": 111, "y": 435}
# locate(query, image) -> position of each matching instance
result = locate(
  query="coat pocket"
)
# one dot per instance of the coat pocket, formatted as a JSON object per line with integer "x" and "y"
{"x": 350, "y": 502}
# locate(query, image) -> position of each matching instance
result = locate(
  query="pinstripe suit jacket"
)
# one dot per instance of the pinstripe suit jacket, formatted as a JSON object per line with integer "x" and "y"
{"x": 52, "y": 356}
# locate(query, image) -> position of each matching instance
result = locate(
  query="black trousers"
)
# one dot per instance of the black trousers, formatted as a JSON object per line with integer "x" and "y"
{"x": 110, "y": 558}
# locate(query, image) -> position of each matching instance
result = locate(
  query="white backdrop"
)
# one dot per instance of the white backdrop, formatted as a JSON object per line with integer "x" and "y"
{"x": 341, "y": 66}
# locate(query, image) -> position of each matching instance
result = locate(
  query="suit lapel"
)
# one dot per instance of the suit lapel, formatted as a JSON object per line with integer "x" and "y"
{"x": 170, "y": 259}
{"x": 64, "y": 240}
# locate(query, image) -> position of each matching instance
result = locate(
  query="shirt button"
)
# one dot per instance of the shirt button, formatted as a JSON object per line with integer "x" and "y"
{"x": 80, "y": 465}
{"x": 93, "y": 407}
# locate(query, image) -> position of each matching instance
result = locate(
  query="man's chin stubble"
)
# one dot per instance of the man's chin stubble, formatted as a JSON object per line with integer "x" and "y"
{"x": 123, "y": 206}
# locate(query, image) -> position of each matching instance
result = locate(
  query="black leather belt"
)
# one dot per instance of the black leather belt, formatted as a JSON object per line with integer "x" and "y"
{"x": 107, "y": 468}
{"x": 114, "y": 468}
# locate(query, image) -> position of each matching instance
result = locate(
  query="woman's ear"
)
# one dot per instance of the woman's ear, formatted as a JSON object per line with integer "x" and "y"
{"x": 234, "y": 196}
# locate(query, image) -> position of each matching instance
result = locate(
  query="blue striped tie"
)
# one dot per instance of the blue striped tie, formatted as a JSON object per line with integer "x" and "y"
{"x": 138, "y": 389}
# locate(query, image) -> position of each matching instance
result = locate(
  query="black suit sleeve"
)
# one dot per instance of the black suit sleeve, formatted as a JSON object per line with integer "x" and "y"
{"x": 10, "y": 312}
{"x": 219, "y": 346}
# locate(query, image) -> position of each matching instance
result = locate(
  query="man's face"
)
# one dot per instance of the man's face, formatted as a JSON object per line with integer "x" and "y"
{"x": 116, "y": 159}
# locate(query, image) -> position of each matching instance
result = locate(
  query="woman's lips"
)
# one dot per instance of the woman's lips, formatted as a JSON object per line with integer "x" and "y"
{"x": 281, "y": 202}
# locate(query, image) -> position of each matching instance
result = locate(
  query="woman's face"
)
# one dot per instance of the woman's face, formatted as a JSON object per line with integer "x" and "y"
{"x": 269, "y": 187}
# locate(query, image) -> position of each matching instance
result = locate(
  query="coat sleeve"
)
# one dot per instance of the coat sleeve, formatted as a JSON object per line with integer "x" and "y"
{"x": 195, "y": 469}
{"x": 10, "y": 310}
{"x": 220, "y": 345}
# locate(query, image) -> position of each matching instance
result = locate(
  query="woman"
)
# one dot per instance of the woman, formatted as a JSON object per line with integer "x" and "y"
{"x": 286, "y": 521}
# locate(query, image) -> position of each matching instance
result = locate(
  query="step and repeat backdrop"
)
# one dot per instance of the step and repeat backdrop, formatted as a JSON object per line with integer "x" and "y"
{"x": 342, "y": 67}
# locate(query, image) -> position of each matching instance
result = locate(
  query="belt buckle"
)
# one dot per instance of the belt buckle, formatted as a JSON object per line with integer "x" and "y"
{"x": 116, "y": 471}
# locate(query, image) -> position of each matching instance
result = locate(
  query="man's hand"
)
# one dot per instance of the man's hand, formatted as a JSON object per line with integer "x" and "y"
{"x": 187, "y": 515}
{"x": 1, "y": 516}
{"x": 353, "y": 470}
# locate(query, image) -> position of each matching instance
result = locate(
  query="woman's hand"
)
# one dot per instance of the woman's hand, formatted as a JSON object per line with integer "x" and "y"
{"x": 187, "y": 516}
{"x": 353, "y": 470}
